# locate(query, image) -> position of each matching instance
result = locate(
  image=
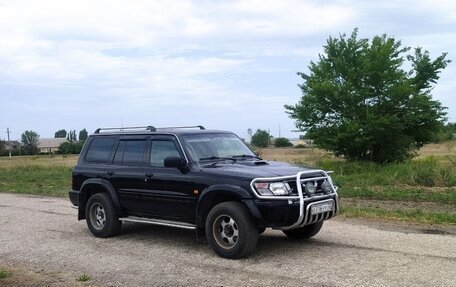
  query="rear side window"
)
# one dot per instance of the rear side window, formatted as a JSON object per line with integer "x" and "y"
{"x": 100, "y": 149}
{"x": 130, "y": 152}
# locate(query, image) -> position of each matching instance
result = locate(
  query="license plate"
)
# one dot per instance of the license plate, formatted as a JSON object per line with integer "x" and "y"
{"x": 321, "y": 207}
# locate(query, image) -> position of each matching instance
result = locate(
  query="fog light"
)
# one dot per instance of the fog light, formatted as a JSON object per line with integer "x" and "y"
{"x": 326, "y": 187}
{"x": 310, "y": 187}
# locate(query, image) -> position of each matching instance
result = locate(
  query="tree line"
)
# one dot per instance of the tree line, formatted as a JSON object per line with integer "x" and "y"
{"x": 30, "y": 141}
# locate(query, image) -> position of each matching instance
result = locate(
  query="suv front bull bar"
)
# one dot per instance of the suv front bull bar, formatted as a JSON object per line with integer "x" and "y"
{"x": 305, "y": 218}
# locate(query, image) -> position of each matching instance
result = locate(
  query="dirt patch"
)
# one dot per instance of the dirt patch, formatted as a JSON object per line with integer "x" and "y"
{"x": 21, "y": 276}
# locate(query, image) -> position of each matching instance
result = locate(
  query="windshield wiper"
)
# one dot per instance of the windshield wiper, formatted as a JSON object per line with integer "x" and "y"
{"x": 246, "y": 156}
{"x": 216, "y": 158}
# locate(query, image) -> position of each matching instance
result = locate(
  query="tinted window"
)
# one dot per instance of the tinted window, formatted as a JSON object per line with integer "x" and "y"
{"x": 100, "y": 149}
{"x": 130, "y": 152}
{"x": 161, "y": 150}
{"x": 119, "y": 153}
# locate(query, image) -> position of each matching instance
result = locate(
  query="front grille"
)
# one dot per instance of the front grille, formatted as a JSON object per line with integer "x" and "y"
{"x": 318, "y": 217}
{"x": 310, "y": 219}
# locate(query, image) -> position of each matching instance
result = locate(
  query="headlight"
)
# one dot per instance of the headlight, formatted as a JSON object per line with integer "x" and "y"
{"x": 272, "y": 188}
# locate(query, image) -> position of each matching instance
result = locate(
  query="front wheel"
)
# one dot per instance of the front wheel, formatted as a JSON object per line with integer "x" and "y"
{"x": 307, "y": 231}
{"x": 231, "y": 231}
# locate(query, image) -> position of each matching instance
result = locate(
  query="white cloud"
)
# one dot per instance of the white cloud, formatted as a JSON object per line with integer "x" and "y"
{"x": 139, "y": 55}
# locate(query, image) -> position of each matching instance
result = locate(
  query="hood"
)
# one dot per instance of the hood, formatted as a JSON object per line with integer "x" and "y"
{"x": 253, "y": 169}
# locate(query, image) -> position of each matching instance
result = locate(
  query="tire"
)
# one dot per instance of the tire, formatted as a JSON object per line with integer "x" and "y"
{"x": 231, "y": 231}
{"x": 101, "y": 216}
{"x": 304, "y": 232}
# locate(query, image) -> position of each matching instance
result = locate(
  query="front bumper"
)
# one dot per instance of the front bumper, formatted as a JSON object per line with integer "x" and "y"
{"x": 294, "y": 211}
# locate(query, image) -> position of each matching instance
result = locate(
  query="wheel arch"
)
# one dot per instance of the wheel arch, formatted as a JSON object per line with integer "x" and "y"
{"x": 216, "y": 194}
{"x": 93, "y": 186}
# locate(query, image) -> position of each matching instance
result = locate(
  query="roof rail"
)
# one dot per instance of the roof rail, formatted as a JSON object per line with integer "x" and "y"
{"x": 185, "y": 127}
{"x": 147, "y": 128}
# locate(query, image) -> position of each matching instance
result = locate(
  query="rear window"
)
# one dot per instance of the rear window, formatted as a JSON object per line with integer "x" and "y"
{"x": 100, "y": 149}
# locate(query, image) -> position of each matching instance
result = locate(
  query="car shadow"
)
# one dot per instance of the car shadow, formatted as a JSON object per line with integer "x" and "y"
{"x": 272, "y": 242}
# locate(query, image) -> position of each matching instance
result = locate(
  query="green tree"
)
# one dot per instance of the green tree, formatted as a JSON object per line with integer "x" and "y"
{"x": 30, "y": 141}
{"x": 260, "y": 138}
{"x": 83, "y": 134}
{"x": 360, "y": 103}
{"x": 71, "y": 137}
{"x": 60, "y": 134}
{"x": 282, "y": 142}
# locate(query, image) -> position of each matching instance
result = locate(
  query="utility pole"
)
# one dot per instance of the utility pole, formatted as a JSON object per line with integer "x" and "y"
{"x": 279, "y": 132}
{"x": 9, "y": 142}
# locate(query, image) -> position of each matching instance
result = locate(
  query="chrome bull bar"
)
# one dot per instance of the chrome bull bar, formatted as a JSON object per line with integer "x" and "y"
{"x": 305, "y": 217}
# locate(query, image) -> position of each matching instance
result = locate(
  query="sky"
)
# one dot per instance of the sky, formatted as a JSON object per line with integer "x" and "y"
{"x": 223, "y": 64}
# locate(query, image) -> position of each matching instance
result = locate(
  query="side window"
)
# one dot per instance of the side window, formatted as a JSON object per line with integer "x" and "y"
{"x": 130, "y": 152}
{"x": 160, "y": 150}
{"x": 99, "y": 149}
{"x": 119, "y": 152}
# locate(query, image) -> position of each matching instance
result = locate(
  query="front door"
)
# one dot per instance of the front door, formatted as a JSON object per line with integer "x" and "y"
{"x": 168, "y": 191}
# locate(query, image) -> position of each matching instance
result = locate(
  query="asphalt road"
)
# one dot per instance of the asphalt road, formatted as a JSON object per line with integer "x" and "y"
{"x": 42, "y": 234}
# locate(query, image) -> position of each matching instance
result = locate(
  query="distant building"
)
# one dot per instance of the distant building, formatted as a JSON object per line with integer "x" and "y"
{"x": 50, "y": 145}
{"x": 12, "y": 145}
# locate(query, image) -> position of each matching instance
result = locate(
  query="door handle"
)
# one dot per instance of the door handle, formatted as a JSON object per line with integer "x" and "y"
{"x": 109, "y": 173}
{"x": 149, "y": 175}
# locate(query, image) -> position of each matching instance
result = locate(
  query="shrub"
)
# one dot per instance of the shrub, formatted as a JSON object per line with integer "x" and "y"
{"x": 282, "y": 142}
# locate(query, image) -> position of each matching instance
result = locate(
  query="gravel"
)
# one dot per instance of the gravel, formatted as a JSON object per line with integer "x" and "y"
{"x": 42, "y": 235}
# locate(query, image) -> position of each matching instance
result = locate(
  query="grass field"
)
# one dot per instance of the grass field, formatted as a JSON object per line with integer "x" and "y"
{"x": 42, "y": 175}
{"x": 428, "y": 178}
{"x": 422, "y": 189}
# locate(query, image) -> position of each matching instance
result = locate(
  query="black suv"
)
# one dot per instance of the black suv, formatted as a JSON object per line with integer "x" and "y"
{"x": 206, "y": 180}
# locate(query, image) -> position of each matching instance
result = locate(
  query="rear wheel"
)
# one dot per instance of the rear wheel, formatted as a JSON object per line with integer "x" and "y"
{"x": 101, "y": 216}
{"x": 231, "y": 231}
{"x": 307, "y": 231}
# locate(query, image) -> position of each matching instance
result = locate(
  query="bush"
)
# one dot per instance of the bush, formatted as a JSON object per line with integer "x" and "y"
{"x": 282, "y": 142}
{"x": 260, "y": 138}
{"x": 70, "y": 147}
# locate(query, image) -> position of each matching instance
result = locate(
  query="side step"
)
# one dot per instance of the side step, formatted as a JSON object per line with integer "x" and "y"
{"x": 162, "y": 222}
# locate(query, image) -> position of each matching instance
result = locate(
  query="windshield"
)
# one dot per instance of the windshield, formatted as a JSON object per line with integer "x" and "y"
{"x": 216, "y": 146}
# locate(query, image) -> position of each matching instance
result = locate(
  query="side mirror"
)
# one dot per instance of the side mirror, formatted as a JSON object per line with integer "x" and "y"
{"x": 174, "y": 161}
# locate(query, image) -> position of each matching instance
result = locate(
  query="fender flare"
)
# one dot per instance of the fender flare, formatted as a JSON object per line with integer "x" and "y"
{"x": 106, "y": 186}
{"x": 208, "y": 195}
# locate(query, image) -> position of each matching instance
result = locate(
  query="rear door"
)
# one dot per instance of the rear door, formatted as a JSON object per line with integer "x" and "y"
{"x": 127, "y": 173}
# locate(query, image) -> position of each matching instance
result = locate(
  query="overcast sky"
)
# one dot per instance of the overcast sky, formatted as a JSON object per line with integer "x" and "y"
{"x": 222, "y": 64}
